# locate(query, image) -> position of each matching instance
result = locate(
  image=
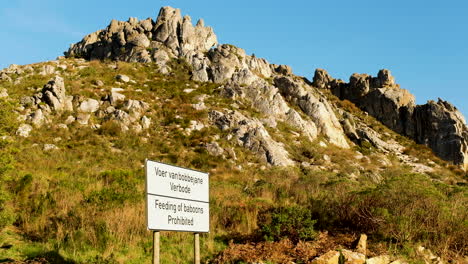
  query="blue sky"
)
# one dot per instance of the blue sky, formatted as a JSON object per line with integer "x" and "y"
{"x": 423, "y": 43}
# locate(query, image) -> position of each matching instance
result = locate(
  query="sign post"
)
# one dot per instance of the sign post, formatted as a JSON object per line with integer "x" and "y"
{"x": 177, "y": 199}
{"x": 155, "y": 247}
{"x": 196, "y": 248}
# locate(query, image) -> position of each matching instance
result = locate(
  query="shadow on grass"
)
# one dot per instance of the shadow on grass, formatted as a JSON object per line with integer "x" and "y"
{"x": 52, "y": 257}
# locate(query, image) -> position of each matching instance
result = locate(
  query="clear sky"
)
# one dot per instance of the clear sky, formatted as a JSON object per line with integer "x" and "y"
{"x": 423, "y": 42}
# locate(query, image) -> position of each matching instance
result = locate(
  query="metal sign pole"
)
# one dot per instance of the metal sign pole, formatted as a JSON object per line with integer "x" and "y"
{"x": 196, "y": 248}
{"x": 156, "y": 247}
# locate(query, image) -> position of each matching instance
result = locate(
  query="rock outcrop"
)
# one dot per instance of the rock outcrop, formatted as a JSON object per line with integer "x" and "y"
{"x": 147, "y": 40}
{"x": 438, "y": 125}
{"x": 38, "y": 109}
{"x": 251, "y": 134}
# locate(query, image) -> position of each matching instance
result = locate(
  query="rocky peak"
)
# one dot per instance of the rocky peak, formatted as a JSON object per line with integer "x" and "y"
{"x": 438, "y": 125}
{"x": 140, "y": 41}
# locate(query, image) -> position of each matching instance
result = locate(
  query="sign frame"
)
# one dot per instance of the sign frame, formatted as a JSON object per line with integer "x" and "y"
{"x": 177, "y": 198}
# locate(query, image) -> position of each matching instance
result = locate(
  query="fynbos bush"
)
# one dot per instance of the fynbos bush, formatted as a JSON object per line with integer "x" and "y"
{"x": 294, "y": 222}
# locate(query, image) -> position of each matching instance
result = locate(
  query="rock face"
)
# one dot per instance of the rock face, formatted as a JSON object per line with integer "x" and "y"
{"x": 251, "y": 133}
{"x": 146, "y": 40}
{"x": 438, "y": 125}
{"x": 243, "y": 76}
{"x": 442, "y": 127}
{"x": 272, "y": 89}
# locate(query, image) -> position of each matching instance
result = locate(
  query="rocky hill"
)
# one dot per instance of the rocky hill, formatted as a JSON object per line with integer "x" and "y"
{"x": 438, "y": 125}
{"x": 282, "y": 151}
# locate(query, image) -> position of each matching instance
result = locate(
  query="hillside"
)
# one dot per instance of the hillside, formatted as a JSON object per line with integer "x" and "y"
{"x": 297, "y": 167}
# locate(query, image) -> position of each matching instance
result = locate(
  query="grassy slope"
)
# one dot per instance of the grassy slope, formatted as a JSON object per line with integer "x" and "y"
{"x": 85, "y": 202}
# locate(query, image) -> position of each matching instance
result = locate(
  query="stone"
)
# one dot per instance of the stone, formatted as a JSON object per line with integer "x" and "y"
{"x": 38, "y": 118}
{"x": 321, "y": 79}
{"x": 199, "y": 106}
{"x": 117, "y": 89}
{"x": 5, "y": 77}
{"x": 89, "y": 106}
{"x": 54, "y": 93}
{"x": 24, "y": 130}
{"x": 27, "y": 101}
{"x": 195, "y": 125}
{"x": 121, "y": 117}
{"x": 283, "y": 69}
{"x": 214, "y": 149}
{"x": 145, "y": 122}
{"x": 47, "y": 70}
{"x": 362, "y": 244}
{"x": 3, "y": 93}
{"x": 332, "y": 257}
{"x": 137, "y": 128}
{"x": 83, "y": 118}
{"x": 147, "y": 24}
{"x": 62, "y": 126}
{"x": 49, "y": 147}
{"x": 379, "y": 260}
{"x": 116, "y": 97}
{"x": 122, "y": 78}
{"x": 398, "y": 262}
{"x": 99, "y": 83}
{"x": 69, "y": 120}
{"x": 307, "y": 127}
{"x": 135, "y": 108}
{"x": 140, "y": 40}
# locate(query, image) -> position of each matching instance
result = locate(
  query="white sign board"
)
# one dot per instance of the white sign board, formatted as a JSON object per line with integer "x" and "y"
{"x": 177, "y": 199}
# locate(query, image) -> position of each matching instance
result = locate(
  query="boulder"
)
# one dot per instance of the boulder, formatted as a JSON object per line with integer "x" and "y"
{"x": 47, "y": 70}
{"x": 140, "y": 40}
{"x": 321, "y": 79}
{"x": 333, "y": 257}
{"x": 379, "y": 260}
{"x": 145, "y": 122}
{"x": 283, "y": 70}
{"x": 89, "y": 106}
{"x": 49, "y": 147}
{"x": 214, "y": 149}
{"x": 38, "y": 118}
{"x": 122, "y": 78}
{"x": 54, "y": 95}
{"x": 24, "y": 130}
{"x": 362, "y": 245}
{"x": 3, "y": 93}
{"x": 135, "y": 108}
{"x": 83, "y": 118}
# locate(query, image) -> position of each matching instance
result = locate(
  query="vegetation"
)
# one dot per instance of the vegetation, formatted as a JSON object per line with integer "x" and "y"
{"x": 84, "y": 203}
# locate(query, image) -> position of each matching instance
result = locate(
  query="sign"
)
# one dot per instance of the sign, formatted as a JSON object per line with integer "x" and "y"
{"x": 177, "y": 199}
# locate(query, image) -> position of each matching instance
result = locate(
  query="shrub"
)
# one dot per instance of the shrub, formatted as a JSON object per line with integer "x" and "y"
{"x": 7, "y": 216}
{"x": 407, "y": 208}
{"x": 293, "y": 222}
